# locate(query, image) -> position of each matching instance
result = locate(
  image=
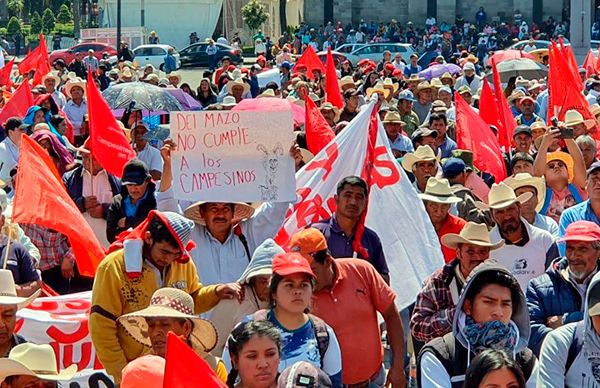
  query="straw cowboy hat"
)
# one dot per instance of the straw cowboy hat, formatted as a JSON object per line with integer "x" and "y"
{"x": 34, "y": 360}
{"x": 393, "y": 117}
{"x": 228, "y": 101}
{"x": 391, "y": 85}
{"x": 516, "y": 95}
{"x": 447, "y": 76}
{"x": 241, "y": 211}
{"x": 423, "y": 86}
{"x": 174, "y": 74}
{"x": 501, "y": 196}
{"x": 268, "y": 93}
{"x": 347, "y": 82}
{"x": 307, "y": 156}
{"x": 126, "y": 75}
{"x": 52, "y": 75}
{"x": 572, "y": 118}
{"x": 415, "y": 78}
{"x": 422, "y": 154}
{"x": 169, "y": 302}
{"x": 472, "y": 234}
{"x": 520, "y": 81}
{"x": 439, "y": 191}
{"x": 565, "y": 158}
{"x": 238, "y": 82}
{"x": 330, "y": 106}
{"x": 71, "y": 83}
{"x": 524, "y": 179}
{"x": 8, "y": 291}
{"x": 595, "y": 109}
{"x": 379, "y": 89}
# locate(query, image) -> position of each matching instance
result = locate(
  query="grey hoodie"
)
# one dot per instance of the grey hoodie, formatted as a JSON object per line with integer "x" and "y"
{"x": 432, "y": 372}
{"x": 585, "y": 369}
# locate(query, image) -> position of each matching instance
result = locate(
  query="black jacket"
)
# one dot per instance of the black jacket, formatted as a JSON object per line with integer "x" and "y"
{"x": 116, "y": 211}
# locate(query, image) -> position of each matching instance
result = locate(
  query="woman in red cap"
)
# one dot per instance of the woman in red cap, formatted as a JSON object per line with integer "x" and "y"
{"x": 304, "y": 337}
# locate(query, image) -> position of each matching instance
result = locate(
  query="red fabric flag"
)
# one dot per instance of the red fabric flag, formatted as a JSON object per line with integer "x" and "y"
{"x": 472, "y": 133}
{"x": 311, "y": 60}
{"x": 43, "y": 66}
{"x": 318, "y": 132}
{"x": 488, "y": 107}
{"x": 5, "y": 74}
{"x": 589, "y": 64}
{"x": 50, "y": 206}
{"x": 184, "y": 368}
{"x": 108, "y": 142}
{"x": 18, "y": 104}
{"x": 507, "y": 120}
{"x": 332, "y": 86}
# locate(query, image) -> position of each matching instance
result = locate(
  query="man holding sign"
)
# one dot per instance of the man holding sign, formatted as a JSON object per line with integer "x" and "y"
{"x": 228, "y": 232}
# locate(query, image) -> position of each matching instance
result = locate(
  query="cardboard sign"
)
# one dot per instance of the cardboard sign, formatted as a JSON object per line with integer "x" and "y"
{"x": 62, "y": 322}
{"x": 267, "y": 76}
{"x": 233, "y": 156}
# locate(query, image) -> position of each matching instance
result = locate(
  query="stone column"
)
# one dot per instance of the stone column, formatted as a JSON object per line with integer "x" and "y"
{"x": 446, "y": 11}
{"x": 582, "y": 12}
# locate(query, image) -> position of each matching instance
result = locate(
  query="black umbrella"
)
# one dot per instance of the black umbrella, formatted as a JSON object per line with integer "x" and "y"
{"x": 145, "y": 96}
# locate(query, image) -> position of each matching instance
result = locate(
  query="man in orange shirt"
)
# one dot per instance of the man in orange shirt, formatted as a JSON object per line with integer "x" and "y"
{"x": 438, "y": 198}
{"x": 353, "y": 288}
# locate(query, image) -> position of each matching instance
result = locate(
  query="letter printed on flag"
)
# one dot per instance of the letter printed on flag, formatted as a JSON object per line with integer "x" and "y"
{"x": 109, "y": 144}
{"x": 412, "y": 253}
{"x": 49, "y": 205}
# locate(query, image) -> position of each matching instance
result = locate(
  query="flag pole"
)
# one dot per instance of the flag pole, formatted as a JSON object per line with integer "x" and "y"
{"x": 7, "y": 247}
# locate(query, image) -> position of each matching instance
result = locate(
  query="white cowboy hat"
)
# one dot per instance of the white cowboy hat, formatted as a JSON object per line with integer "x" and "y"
{"x": 52, "y": 75}
{"x": 169, "y": 302}
{"x": 595, "y": 109}
{"x": 439, "y": 191}
{"x": 268, "y": 93}
{"x": 572, "y": 117}
{"x": 393, "y": 117}
{"x": 126, "y": 75}
{"x": 516, "y": 95}
{"x": 525, "y": 179}
{"x": 241, "y": 211}
{"x": 391, "y": 85}
{"x": 71, "y": 83}
{"x": 347, "y": 82}
{"x": 229, "y": 101}
{"x": 238, "y": 82}
{"x": 174, "y": 74}
{"x": 307, "y": 156}
{"x": 423, "y": 154}
{"x": 8, "y": 291}
{"x": 34, "y": 360}
{"x": 379, "y": 89}
{"x": 501, "y": 196}
{"x": 472, "y": 234}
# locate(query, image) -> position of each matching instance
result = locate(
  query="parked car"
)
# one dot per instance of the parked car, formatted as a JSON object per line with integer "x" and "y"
{"x": 68, "y": 55}
{"x": 374, "y": 52}
{"x": 347, "y": 48}
{"x": 337, "y": 56}
{"x": 426, "y": 58}
{"x": 154, "y": 54}
{"x": 195, "y": 54}
{"x": 539, "y": 44}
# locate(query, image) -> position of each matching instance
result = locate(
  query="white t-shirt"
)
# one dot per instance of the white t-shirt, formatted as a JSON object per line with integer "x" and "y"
{"x": 151, "y": 156}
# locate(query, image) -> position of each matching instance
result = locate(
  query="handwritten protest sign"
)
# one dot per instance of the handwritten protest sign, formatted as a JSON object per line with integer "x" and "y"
{"x": 62, "y": 322}
{"x": 227, "y": 156}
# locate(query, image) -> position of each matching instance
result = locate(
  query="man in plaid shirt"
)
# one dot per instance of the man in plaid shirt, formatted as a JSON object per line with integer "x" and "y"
{"x": 57, "y": 261}
{"x": 434, "y": 310}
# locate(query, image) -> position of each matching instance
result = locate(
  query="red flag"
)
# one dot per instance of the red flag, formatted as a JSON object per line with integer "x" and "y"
{"x": 18, "y": 104}
{"x": 488, "y": 106}
{"x": 43, "y": 66}
{"x": 318, "y": 132}
{"x": 472, "y": 133}
{"x": 332, "y": 86}
{"x": 507, "y": 120}
{"x": 311, "y": 60}
{"x": 589, "y": 64}
{"x": 5, "y": 74}
{"x": 50, "y": 206}
{"x": 108, "y": 142}
{"x": 186, "y": 369}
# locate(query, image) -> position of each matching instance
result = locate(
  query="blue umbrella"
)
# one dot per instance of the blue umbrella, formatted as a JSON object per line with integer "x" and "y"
{"x": 436, "y": 71}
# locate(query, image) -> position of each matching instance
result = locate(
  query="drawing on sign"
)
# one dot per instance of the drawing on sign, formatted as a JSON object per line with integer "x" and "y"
{"x": 270, "y": 164}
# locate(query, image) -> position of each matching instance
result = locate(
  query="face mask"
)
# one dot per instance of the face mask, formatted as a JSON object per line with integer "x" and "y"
{"x": 490, "y": 335}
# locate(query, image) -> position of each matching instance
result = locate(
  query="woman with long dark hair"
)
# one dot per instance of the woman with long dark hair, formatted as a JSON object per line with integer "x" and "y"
{"x": 494, "y": 368}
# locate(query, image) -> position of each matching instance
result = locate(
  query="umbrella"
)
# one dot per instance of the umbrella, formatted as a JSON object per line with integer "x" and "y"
{"x": 525, "y": 68}
{"x": 145, "y": 95}
{"x": 187, "y": 102}
{"x": 505, "y": 55}
{"x": 436, "y": 71}
{"x": 272, "y": 104}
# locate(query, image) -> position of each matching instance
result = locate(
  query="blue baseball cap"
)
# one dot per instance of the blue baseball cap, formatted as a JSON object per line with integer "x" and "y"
{"x": 406, "y": 95}
{"x": 453, "y": 167}
{"x": 286, "y": 65}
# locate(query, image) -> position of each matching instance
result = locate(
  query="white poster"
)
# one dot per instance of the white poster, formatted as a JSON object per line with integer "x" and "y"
{"x": 233, "y": 156}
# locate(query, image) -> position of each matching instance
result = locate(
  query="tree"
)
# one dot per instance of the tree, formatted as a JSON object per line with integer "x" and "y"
{"x": 64, "y": 15}
{"x": 14, "y": 8}
{"x": 14, "y": 26}
{"x": 254, "y": 14}
{"x": 48, "y": 20}
{"x": 36, "y": 23}
{"x": 77, "y": 18}
{"x": 283, "y": 15}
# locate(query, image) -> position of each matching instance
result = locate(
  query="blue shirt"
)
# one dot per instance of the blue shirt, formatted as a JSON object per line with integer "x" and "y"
{"x": 447, "y": 147}
{"x": 402, "y": 143}
{"x": 340, "y": 245}
{"x": 170, "y": 63}
{"x": 131, "y": 208}
{"x": 408, "y": 70}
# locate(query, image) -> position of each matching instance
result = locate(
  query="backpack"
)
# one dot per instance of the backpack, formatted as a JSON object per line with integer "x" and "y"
{"x": 575, "y": 346}
{"x": 319, "y": 327}
{"x": 454, "y": 359}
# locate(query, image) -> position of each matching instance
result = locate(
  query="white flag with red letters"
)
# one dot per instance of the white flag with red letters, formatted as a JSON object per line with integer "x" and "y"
{"x": 395, "y": 212}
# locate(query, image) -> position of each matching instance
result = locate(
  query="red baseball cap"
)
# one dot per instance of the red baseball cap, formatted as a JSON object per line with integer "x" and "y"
{"x": 363, "y": 62}
{"x": 582, "y": 231}
{"x": 301, "y": 67}
{"x": 390, "y": 66}
{"x": 285, "y": 264}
